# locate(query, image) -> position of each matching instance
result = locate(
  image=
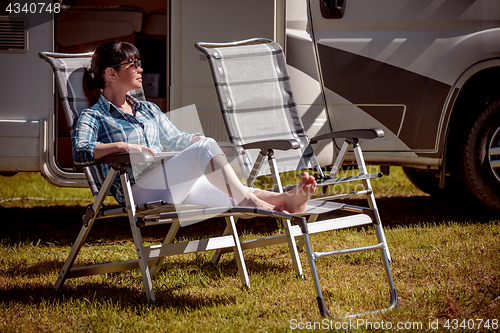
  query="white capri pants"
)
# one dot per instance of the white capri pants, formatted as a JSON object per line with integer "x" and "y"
{"x": 181, "y": 180}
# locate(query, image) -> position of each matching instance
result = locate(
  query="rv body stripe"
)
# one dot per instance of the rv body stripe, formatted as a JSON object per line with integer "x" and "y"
{"x": 380, "y": 83}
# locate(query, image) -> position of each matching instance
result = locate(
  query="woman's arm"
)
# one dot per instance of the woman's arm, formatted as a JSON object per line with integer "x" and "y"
{"x": 170, "y": 136}
{"x": 104, "y": 149}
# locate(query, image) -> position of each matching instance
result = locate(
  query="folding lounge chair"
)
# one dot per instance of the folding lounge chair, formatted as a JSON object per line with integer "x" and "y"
{"x": 256, "y": 100}
{"x": 68, "y": 69}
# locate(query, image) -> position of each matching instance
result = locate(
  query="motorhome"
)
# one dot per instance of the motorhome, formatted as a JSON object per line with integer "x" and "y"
{"x": 425, "y": 71}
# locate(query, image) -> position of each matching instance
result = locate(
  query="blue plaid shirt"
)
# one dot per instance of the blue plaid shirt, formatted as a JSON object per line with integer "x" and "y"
{"x": 105, "y": 123}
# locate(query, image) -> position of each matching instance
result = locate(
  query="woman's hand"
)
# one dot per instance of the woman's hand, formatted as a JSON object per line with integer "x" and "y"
{"x": 133, "y": 148}
{"x": 104, "y": 149}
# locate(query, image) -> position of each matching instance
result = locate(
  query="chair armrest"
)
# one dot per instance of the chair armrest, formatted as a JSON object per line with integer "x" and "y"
{"x": 145, "y": 158}
{"x": 123, "y": 158}
{"x": 128, "y": 158}
{"x": 233, "y": 150}
{"x": 273, "y": 144}
{"x": 362, "y": 133}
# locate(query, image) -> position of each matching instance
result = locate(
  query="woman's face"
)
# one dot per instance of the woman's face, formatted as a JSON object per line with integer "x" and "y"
{"x": 129, "y": 74}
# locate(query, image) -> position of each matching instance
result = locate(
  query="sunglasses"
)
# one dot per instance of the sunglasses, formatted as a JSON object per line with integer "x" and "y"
{"x": 136, "y": 64}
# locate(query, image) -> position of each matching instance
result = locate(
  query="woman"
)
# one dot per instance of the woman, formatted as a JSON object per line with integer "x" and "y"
{"x": 118, "y": 123}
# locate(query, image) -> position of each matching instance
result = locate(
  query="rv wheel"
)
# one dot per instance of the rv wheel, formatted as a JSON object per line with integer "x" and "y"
{"x": 8, "y": 173}
{"x": 428, "y": 182}
{"x": 480, "y": 158}
{"x": 423, "y": 180}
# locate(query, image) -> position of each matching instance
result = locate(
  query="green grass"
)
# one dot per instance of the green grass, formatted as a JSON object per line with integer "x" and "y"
{"x": 445, "y": 265}
{"x": 30, "y": 189}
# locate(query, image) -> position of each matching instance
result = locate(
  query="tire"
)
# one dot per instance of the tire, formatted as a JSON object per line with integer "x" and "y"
{"x": 8, "y": 173}
{"x": 429, "y": 183}
{"x": 480, "y": 157}
{"x": 424, "y": 181}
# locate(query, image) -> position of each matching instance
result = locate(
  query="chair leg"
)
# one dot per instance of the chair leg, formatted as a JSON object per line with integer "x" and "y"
{"x": 156, "y": 265}
{"x": 89, "y": 219}
{"x": 371, "y": 197}
{"x": 80, "y": 240}
{"x": 294, "y": 252}
{"x": 339, "y": 160}
{"x": 273, "y": 166}
{"x": 394, "y": 303}
{"x": 218, "y": 253}
{"x": 300, "y": 245}
{"x": 388, "y": 272}
{"x": 238, "y": 253}
{"x": 291, "y": 244}
{"x": 255, "y": 170}
{"x": 323, "y": 310}
{"x": 271, "y": 160}
{"x": 312, "y": 263}
{"x": 136, "y": 233}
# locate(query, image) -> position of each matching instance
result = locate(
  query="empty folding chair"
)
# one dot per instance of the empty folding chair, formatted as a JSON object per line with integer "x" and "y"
{"x": 68, "y": 69}
{"x": 256, "y": 100}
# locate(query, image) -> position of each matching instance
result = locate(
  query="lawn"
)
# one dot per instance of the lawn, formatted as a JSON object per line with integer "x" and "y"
{"x": 445, "y": 264}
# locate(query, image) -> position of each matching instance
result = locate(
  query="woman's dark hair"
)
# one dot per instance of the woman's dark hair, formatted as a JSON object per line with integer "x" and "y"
{"x": 106, "y": 55}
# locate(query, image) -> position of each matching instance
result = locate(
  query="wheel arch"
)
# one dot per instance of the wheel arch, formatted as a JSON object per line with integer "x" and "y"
{"x": 480, "y": 86}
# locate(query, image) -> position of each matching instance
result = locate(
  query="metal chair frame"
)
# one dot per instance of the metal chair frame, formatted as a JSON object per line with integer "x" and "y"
{"x": 365, "y": 216}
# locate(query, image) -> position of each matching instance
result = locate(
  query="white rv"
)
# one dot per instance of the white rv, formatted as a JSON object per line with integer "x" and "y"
{"x": 425, "y": 71}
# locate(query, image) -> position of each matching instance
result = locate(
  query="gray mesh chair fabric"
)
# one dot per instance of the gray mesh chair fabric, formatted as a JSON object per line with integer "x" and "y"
{"x": 68, "y": 69}
{"x": 240, "y": 79}
{"x": 255, "y": 96}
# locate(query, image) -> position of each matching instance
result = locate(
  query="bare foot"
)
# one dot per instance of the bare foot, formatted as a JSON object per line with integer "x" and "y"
{"x": 252, "y": 201}
{"x": 296, "y": 199}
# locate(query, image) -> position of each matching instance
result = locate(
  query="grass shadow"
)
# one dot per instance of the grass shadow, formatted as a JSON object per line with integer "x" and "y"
{"x": 36, "y": 286}
{"x": 61, "y": 224}
{"x": 405, "y": 211}
{"x": 33, "y": 271}
{"x": 123, "y": 297}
